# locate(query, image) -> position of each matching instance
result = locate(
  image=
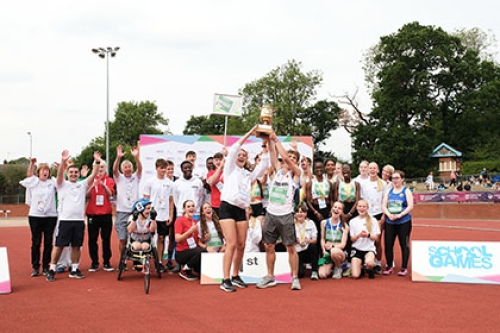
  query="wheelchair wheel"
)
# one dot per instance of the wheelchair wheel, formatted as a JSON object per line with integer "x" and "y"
{"x": 156, "y": 262}
{"x": 147, "y": 276}
{"x": 123, "y": 264}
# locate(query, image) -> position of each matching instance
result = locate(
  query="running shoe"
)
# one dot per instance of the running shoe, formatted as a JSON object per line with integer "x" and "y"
{"x": 94, "y": 268}
{"x": 51, "y": 277}
{"x": 238, "y": 282}
{"x": 337, "y": 273}
{"x": 403, "y": 272}
{"x": 267, "y": 281}
{"x": 388, "y": 271}
{"x": 187, "y": 275}
{"x": 296, "y": 283}
{"x": 227, "y": 286}
{"x": 34, "y": 272}
{"x": 378, "y": 269}
{"x": 76, "y": 274}
{"x": 108, "y": 268}
{"x": 314, "y": 276}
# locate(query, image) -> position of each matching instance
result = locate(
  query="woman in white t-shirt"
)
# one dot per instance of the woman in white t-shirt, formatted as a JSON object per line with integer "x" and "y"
{"x": 211, "y": 237}
{"x": 41, "y": 189}
{"x": 364, "y": 231}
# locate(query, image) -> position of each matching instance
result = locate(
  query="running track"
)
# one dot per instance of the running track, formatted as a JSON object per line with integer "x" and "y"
{"x": 100, "y": 303}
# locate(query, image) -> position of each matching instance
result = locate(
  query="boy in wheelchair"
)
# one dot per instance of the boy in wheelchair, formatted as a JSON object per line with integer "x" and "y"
{"x": 142, "y": 226}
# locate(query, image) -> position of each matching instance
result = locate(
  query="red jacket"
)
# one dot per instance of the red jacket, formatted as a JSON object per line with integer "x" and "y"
{"x": 99, "y": 202}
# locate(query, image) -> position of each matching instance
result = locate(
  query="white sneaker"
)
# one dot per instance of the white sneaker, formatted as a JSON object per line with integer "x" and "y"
{"x": 314, "y": 276}
{"x": 296, "y": 283}
{"x": 337, "y": 273}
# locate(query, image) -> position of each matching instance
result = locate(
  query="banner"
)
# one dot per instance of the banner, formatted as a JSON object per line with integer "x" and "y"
{"x": 5, "y": 286}
{"x": 175, "y": 147}
{"x": 228, "y": 105}
{"x": 456, "y": 262}
{"x": 252, "y": 270}
{"x": 485, "y": 196}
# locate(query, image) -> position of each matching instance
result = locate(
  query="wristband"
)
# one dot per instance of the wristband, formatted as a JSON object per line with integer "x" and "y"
{"x": 369, "y": 235}
{"x": 264, "y": 146}
{"x": 97, "y": 162}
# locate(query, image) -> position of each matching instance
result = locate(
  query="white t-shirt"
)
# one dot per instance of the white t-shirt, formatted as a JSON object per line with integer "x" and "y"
{"x": 363, "y": 183}
{"x": 303, "y": 231}
{"x": 373, "y": 195}
{"x": 281, "y": 192}
{"x": 159, "y": 192}
{"x": 237, "y": 181}
{"x": 127, "y": 192}
{"x": 254, "y": 235}
{"x": 42, "y": 196}
{"x": 357, "y": 225}
{"x": 214, "y": 240}
{"x": 71, "y": 206}
{"x": 188, "y": 189}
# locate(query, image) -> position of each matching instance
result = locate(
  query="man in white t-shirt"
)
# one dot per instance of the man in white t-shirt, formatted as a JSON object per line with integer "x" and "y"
{"x": 188, "y": 187}
{"x": 159, "y": 190}
{"x": 279, "y": 220}
{"x": 127, "y": 190}
{"x": 71, "y": 209}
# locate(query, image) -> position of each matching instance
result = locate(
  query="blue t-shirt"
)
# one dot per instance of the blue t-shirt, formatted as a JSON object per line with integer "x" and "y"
{"x": 396, "y": 203}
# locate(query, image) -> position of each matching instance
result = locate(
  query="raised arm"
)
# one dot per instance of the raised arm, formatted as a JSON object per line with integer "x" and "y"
{"x": 29, "y": 172}
{"x": 284, "y": 155}
{"x": 60, "y": 169}
{"x": 116, "y": 163}
{"x": 95, "y": 168}
{"x": 136, "y": 154}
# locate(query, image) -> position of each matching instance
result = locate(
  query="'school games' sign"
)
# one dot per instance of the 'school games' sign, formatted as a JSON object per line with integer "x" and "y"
{"x": 456, "y": 262}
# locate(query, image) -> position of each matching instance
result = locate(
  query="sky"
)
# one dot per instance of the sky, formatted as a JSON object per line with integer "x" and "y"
{"x": 178, "y": 54}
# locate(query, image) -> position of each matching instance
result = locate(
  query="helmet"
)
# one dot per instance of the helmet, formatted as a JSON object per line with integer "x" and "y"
{"x": 140, "y": 205}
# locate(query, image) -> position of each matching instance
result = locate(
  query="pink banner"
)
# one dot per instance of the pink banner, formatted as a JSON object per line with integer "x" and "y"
{"x": 485, "y": 196}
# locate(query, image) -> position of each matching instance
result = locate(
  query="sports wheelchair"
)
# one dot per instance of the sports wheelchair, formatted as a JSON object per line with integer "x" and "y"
{"x": 141, "y": 260}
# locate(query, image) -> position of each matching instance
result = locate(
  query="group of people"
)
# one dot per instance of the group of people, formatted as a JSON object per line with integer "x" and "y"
{"x": 313, "y": 210}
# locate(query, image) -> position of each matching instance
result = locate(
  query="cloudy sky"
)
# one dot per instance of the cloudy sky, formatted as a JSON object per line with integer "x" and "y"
{"x": 179, "y": 54}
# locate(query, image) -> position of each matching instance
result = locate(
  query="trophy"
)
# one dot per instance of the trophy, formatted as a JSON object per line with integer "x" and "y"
{"x": 266, "y": 118}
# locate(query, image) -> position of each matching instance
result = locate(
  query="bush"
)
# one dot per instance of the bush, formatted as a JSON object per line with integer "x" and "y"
{"x": 475, "y": 167}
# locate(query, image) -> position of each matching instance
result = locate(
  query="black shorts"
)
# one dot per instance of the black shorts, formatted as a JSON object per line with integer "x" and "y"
{"x": 70, "y": 233}
{"x": 378, "y": 217}
{"x": 257, "y": 209}
{"x": 162, "y": 228}
{"x": 359, "y": 254}
{"x": 231, "y": 212}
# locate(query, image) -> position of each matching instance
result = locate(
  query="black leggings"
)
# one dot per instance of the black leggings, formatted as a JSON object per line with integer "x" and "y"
{"x": 403, "y": 232}
{"x": 191, "y": 257}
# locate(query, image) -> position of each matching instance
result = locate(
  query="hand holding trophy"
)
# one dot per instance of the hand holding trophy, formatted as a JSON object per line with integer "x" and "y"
{"x": 266, "y": 119}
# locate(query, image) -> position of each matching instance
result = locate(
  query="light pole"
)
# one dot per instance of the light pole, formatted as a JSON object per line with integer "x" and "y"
{"x": 106, "y": 53}
{"x": 31, "y": 144}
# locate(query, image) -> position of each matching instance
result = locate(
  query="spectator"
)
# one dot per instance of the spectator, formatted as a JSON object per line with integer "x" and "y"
{"x": 429, "y": 181}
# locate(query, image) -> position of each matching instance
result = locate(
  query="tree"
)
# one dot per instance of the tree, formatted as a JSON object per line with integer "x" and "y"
{"x": 131, "y": 120}
{"x": 292, "y": 95}
{"x": 205, "y": 125}
{"x": 425, "y": 86}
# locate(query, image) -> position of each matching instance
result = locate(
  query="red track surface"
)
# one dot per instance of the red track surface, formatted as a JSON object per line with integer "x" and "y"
{"x": 100, "y": 303}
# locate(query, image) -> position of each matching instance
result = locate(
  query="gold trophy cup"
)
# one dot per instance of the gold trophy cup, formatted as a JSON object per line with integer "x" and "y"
{"x": 266, "y": 119}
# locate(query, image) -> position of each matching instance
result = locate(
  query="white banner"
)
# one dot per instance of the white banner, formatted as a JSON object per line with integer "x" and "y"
{"x": 5, "y": 286}
{"x": 174, "y": 148}
{"x": 252, "y": 270}
{"x": 456, "y": 262}
{"x": 228, "y": 105}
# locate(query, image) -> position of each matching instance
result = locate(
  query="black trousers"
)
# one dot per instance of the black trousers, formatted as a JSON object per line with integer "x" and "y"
{"x": 103, "y": 225}
{"x": 308, "y": 256}
{"x": 191, "y": 257}
{"x": 41, "y": 227}
{"x": 403, "y": 232}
